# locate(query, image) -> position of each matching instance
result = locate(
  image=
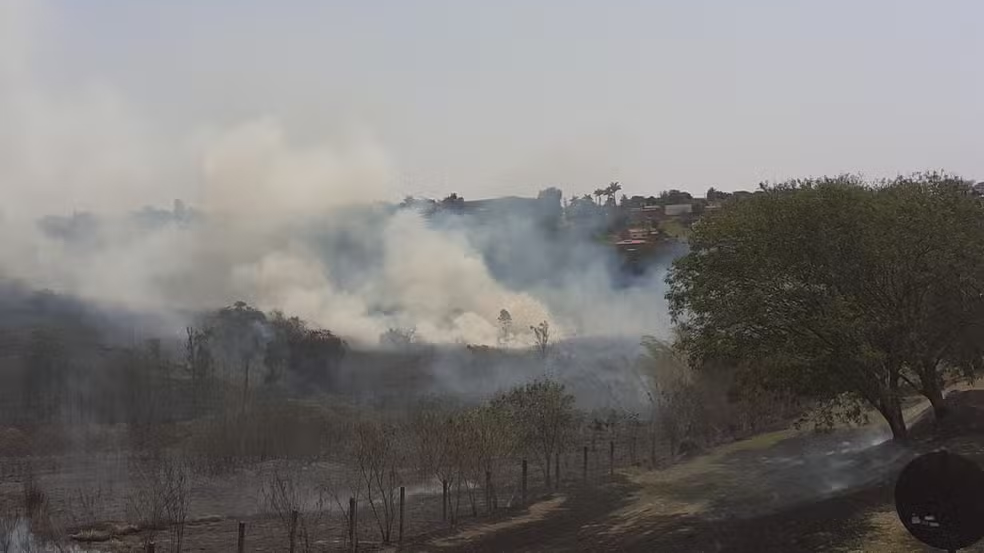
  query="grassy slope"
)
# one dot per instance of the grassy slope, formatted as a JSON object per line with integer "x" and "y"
{"x": 740, "y": 479}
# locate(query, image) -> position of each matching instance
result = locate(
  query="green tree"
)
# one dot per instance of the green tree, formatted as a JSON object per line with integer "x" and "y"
{"x": 933, "y": 248}
{"x": 610, "y": 192}
{"x": 674, "y": 196}
{"x": 836, "y": 288}
{"x": 453, "y": 202}
{"x": 303, "y": 353}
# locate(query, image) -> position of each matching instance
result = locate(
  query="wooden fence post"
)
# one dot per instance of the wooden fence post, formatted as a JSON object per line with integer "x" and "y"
{"x": 524, "y": 481}
{"x": 241, "y": 547}
{"x": 351, "y": 522}
{"x": 444, "y": 500}
{"x": 611, "y": 458}
{"x": 557, "y": 471}
{"x": 488, "y": 492}
{"x": 293, "y": 531}
{"x": 403, "y": 491}
{"x": 584, "y": 467}
{"x": 652, "y": 452}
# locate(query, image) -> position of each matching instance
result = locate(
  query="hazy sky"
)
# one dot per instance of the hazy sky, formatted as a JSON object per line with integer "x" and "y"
{"x": 494, "y": 97}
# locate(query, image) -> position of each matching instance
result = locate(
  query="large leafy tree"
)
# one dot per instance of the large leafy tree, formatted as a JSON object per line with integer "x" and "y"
{"x": 836, "y": 288}
{"x": 934, "y": 253}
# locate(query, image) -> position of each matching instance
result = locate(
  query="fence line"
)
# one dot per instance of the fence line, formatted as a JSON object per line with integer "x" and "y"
{"x": 531, "y": 486}
{"x": 515, "y": 484}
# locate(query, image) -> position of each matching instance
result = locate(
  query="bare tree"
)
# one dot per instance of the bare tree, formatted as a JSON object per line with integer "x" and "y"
{"x": 380, "y": 455}
{"x": 199, "y": 364}
{"x": 542, "y": 412}
{"x": 342, "y": 485}
{"x": 436, "y": 446}
{"x": 541, "y": 338}
{"x": 399, "y": 338}
{"x": 505, "y": 327}
{"x": 489, "y": 440}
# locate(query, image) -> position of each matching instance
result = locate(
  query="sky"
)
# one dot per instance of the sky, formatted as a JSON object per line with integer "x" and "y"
{"x": 490, "y": 98}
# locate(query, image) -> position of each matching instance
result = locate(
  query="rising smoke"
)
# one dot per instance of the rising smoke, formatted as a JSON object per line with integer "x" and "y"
{"x": 300, "y": 227}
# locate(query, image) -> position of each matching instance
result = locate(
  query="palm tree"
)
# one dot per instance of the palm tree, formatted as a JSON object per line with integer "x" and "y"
{"x": 611, "y": 190}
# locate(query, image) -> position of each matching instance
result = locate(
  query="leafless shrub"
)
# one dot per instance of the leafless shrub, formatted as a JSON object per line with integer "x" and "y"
{"x": 35, "y": 500}
{"x": 543, "y": 414}
{"x": 87, "y": 506}
{"x": 380, "y": 454}
{"x": 486, "y": 440}
{"x": 297, "y": 513}
{"x": 8, "y": 538}
{"x": 435, "y": 447}
{"x": 343, "y": 484}
{"x": 35, "y": 525}
{"x": 159, "y": 500}
{"x": 694, "y": 408}
{"x": 541, "y": 338}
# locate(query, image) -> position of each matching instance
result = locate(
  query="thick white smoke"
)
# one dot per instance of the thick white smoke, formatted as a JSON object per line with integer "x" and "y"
{"x": 266, "y": 201}
{"x": 84, "y": 149}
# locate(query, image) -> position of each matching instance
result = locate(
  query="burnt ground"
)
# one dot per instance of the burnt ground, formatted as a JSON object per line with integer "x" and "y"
{"x": 583, "y": 523}
{"x": 783, "y": 492}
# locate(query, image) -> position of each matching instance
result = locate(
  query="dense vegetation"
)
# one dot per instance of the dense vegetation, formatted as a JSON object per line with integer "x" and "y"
{"x": 839, "y": 290}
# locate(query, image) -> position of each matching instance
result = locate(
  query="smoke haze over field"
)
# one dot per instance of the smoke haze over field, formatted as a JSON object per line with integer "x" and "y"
{"x": 280, "y": 223}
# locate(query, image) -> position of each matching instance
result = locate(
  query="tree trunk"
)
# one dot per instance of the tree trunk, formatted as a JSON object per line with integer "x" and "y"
{"x": 933, "y": 391}
{"x": 892, "y": 411}
{"x": 547, "y": 471}
{"x": 245, "y": 385}
{"x": 940, "y": 408}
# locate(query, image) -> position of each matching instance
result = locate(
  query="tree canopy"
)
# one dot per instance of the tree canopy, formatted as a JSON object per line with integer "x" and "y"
{"x": 837, "y": 288}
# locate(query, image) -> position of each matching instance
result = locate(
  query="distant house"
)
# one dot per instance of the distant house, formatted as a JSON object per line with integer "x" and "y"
{"x": 979, "y": 188}
{"x": 637, "y": 233}
{"x": 674, "y": 210}
{"x": 497, "y": 208}
{"x": 646, "y": 214}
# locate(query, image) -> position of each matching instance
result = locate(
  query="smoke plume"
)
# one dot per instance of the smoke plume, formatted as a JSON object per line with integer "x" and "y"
{"x": 299, "y": 227}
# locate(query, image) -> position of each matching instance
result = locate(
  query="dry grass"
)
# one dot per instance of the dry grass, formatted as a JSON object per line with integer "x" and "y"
{"x": 661, "y": 492}
{"x": 887, "y": 534}
{"x": 537, "y": 511}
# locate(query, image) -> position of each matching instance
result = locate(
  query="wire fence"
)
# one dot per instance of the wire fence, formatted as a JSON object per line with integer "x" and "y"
{"x": 277, "y": 475}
